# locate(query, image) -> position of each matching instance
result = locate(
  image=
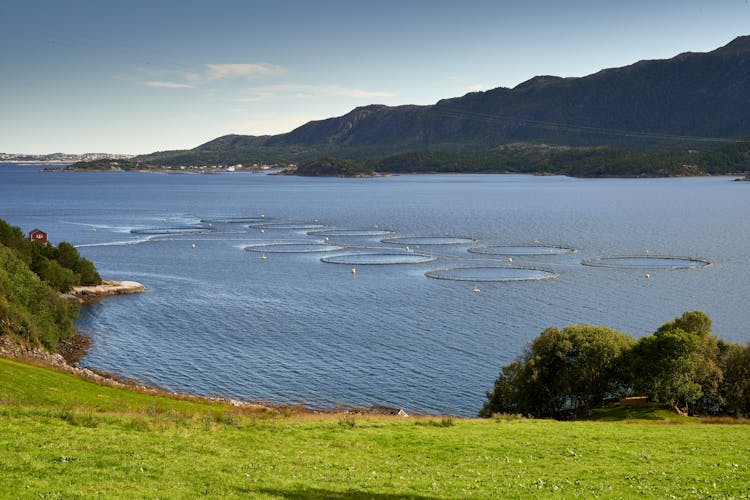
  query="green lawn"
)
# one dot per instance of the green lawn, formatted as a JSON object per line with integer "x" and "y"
{"x": 64, "y": 438}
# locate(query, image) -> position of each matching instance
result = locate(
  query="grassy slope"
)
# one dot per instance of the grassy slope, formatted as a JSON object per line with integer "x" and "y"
{"x": 62, "y": 437}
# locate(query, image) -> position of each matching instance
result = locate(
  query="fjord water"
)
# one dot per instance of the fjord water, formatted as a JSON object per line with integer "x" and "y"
{"x": 217, "y": 319}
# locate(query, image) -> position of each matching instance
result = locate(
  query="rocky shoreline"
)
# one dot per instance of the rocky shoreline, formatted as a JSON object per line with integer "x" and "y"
{"x": 108, "y": 288}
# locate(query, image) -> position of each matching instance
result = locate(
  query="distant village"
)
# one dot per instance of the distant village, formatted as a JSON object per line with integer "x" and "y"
{"x": 120, "y": 165}
{"x": 60, "y": 157}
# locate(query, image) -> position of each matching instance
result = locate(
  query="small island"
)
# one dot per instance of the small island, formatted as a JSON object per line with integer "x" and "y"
{"x": 331, "y": 167}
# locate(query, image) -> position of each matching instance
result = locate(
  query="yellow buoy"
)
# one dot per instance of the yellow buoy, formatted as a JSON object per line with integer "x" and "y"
{"x": 510, "y": 260}
{"x": 263, "y": 257}
{"x": 354, "y": 271}
{"x": 648, "y": 276}
{"x": 407, "y": 248}
{"x": 326, "y": 238}
{"x": 476, "y": 290}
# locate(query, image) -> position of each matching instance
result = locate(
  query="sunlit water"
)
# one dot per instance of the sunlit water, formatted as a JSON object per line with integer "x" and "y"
{"x": 285, "y": 327}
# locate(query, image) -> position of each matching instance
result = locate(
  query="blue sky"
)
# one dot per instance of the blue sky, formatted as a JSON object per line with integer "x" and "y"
{"x": 141, "y": 76}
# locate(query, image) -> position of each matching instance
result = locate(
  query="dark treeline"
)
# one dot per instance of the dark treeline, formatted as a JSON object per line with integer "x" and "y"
{"x": 329, "y": 166}
{"x": 32, "y": 275}
{"x": 530, "y": 158}
{"x": 566, "y": 373}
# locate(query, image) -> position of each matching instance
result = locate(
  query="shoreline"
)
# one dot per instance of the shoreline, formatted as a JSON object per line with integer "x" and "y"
{"x": 66, "y": 361}
{"x": 107, "y": 288}
{"x": 73, "y": 349}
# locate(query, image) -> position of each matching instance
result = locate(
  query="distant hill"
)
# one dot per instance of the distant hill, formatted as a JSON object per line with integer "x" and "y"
{"x": 691, "y": 100}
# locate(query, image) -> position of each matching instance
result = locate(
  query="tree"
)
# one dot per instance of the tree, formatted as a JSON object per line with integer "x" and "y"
{"x": 58, "y": 277}
{"x": 678, "y": 365}
{"x": 735, "y": 385}
{"x": 562, "y": 372}
{"x": 29, "y": 308}
{"x": 88, "y": 273}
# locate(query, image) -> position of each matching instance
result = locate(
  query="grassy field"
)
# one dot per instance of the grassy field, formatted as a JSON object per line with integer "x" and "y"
{"x": 61, "y": 437}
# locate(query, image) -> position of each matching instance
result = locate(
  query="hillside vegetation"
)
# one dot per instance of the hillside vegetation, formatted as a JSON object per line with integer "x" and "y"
{"x": 32, "y": 276}
{"x": 66, "y": 438}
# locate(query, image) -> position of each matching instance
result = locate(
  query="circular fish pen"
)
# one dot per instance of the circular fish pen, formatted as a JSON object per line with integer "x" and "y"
{"x": 172, "y": 230}
{"x": 492, "y": 274}
{"x": 378, "y": 258}
{"x": 287, "y": 225}
{"x": 351, "y": 232}
{"x": 507, "y": 250}
{"x": 292, "y": 247}
{"x": 429, "y": 240}
{"x": 234, "y": 220}
{"x": 646, "y": 262}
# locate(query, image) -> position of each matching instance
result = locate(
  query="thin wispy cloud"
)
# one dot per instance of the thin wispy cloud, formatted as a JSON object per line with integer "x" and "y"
{"x": 222, "y": 71}
{"x": 211, "y": 73}
{"x": 167, "y": 85}
{"x": 303, "y": 91}
{"x": 477, "y": 87}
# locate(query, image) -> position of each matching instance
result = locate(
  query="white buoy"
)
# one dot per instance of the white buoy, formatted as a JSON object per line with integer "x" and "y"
{"x": 476, "y": 289}
{"x": 354, "y": 271}
{"x": 262, "y": 230}
{"x": 407, "y": 248}
{"x": 262, "y": 216}
{"x": 93, "y": 229}
{"x": 193, "y": 245}
{"x": 510, "y": 260}
{"x": 263, "y": 257}
{"x": 326, "y": 238}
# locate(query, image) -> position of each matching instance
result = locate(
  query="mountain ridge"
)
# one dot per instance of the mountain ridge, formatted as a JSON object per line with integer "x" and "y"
{"x": 691, "y": 98}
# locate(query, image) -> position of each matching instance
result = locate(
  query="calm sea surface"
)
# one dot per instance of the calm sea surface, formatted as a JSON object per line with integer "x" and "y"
{"x": 286, "y": 327}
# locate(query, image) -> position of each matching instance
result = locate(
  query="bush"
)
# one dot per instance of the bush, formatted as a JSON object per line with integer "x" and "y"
{"x": 564, "y": 373}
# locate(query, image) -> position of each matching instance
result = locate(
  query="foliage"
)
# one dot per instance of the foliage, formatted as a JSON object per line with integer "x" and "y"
{"x": 678, "y": 364}
{"x": 29, "y": 308}
{"x": 682, "y": 364}
{"x": 66, "y": 438}
{"x": 61, "y": 267}
{"x": 329, "y": 166}
{"x": 734, "y": 388}
{"x": 562, "y": 372}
